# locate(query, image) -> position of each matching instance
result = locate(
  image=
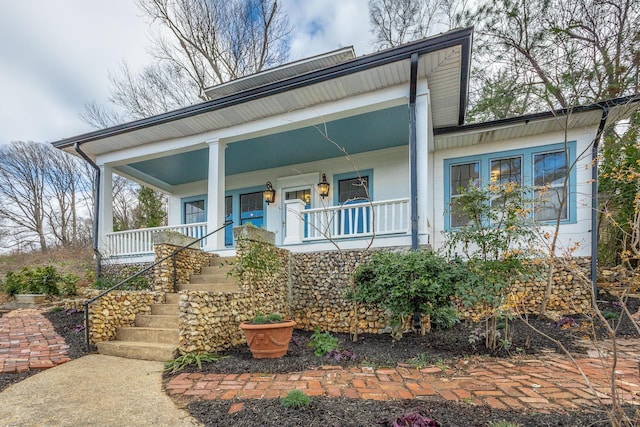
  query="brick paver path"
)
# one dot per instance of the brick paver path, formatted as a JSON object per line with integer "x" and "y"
{"x": 547, "y": 383}
{"x": 28, "y": 341}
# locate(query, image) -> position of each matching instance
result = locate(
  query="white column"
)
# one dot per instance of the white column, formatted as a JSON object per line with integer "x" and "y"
{"x": 294, "y": 232}
{"x": 422, "y": 157}
{"x": 105, "y": 207}
{"x": 215, "y": 194}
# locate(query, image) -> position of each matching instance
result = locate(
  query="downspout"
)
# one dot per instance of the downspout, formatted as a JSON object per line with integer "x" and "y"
{"x": 96, "y": 207}
{"x": 413, "y": 165}
{"x": 594, "y": 200}
{"x": 413, "y": 144}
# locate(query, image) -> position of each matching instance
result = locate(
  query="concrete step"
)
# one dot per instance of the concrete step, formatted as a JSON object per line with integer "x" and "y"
{"x": 222, "y": 271}
{"x": 212, "y": 278}
{"x": 172, "y": 298}
{"x": 138, "y": 350}
{"x": 165, "y": 309}
{"x": 209, "y": 287}
{"x": 157, "y": 321}
{"x": 145, "y": 334}
{"x": 222, "y": 261}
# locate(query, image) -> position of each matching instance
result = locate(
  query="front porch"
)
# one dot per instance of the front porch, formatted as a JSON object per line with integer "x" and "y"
{"x": 305, "y": 229}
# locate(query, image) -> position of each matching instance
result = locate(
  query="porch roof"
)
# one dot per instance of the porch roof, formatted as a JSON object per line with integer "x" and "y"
{"x": 444, "y": 61}
{"x": 536, "y": 123}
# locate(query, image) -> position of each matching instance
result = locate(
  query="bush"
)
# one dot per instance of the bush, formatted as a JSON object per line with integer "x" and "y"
{"x": 403, "y": 282}
{"x": 295, "y": 399}
{"x": 261, "y": 319}
{"x": 40, "y": 280}
{"x": 445, "y": 317}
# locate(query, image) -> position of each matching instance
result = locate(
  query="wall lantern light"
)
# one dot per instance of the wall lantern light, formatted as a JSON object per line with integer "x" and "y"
{"x": 269, "y": 194}
{"x": 323, "y": 187}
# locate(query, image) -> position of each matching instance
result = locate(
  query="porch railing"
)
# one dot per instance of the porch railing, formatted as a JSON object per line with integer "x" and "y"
{"x": 355, "y": 220}
{"x": 140, "y": 242}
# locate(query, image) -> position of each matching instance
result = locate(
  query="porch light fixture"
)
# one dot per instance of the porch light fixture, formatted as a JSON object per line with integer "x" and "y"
{"x": 269, "y": 194}
{"x": 323, "y": 187}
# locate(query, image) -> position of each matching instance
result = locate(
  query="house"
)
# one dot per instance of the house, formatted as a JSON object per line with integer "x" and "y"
{"x": 297, "y": 149}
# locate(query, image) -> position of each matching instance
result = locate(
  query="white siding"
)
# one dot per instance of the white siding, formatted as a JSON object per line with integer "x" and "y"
{"x": 570, "y": 234}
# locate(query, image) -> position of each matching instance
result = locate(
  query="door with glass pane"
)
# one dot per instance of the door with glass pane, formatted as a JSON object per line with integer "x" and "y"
{"x": 355, "y": 220}
{"x": 303, "y": 194}
{"x": 252, "y": 209}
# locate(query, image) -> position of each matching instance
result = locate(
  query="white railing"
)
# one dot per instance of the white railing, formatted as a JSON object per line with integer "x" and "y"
{"x": 140, "y": 242}
{"x": 355, "y": 220}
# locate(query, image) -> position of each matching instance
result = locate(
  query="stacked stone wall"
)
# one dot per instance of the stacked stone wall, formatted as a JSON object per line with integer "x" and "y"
{"x": 188, "y": 261}
{"x": 127, "y": 269}
{"x": 117, "y": 309}
{"x": 209, "y": 321}
{"x": 319, "y": 282}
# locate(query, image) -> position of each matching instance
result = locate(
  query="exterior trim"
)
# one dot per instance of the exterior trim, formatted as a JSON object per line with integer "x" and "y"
{"x": 537, "y": 116}
{"x": 449, "y": 39}
{"x": 527, "y": 156}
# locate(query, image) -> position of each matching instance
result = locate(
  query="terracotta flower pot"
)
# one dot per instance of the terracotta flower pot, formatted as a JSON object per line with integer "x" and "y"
{"x": 269, "y": 340}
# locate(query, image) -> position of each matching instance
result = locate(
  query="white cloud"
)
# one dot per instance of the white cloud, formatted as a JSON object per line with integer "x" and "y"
{"x": 55, "y": 55}
{"x": 324, "y": 25}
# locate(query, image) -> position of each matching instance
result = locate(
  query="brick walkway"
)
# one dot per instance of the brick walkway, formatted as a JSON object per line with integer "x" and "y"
{"x": 546, "y": 384}
{"x": 28, "y": 341}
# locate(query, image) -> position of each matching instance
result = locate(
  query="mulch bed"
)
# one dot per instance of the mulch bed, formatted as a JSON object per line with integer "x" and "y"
{"x": 373, "y": 350}
{"x": 442, "y": 346}
{"x": 341, "y": 412}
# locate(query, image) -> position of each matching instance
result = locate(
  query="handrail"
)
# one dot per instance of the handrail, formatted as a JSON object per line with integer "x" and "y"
{"x": 133, "y": 276}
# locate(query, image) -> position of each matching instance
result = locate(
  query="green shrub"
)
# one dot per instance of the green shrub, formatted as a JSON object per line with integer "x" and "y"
{"x": 295, "y": 399}
{"x": 274, "y": 317}
{"x": 445, "y": 317}
{"x": 402, "y": 282}
{"x": 40, "y": 280}
{"x": 261, "y": 319}
{"x": 323, "y": 343}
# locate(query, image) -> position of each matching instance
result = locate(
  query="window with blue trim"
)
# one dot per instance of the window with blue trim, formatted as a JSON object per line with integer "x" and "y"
{"x": 194, "y": 209}
{"x": 543, "y": 168}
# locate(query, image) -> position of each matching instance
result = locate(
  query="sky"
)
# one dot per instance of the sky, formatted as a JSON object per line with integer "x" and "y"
{"x": 55, "y": 56}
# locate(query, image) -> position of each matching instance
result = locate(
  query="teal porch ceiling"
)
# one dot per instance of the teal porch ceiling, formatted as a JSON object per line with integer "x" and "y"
{"x": 357, "y": 134}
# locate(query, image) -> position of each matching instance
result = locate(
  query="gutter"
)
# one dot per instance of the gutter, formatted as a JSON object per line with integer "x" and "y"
{"x": 453, "y": 38}
{"x": 594, "y": 200}
{"x": 96, "y": 208}
{"x": 413, "y": 148}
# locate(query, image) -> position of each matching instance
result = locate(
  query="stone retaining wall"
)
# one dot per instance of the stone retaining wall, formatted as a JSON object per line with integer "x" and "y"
{"x": 209, "y": 321}
{"x": 188, "y": 262}
{"x": 122, "y": 271}
{"x": 319, "y": 281}
{"x": 117, "y": 309}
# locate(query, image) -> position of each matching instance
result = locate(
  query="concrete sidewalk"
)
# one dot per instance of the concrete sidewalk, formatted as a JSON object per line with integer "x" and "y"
{"x": 94, "y": 390}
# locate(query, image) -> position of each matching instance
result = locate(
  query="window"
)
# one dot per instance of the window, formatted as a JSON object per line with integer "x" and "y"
{"x": 549, "y": 172}
{"x": 506, "y": 170}
{"x": 251, "y": 209}
{"x": 462, "y": 176}
{"x": 353, "y": 189}
{"x": 304, "y": 195}
{"x": 543, "y": 168}
{"x": 194, "y": 211}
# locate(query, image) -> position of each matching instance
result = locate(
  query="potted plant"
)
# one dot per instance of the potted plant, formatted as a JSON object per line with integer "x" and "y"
{"x": 268, "y": 336}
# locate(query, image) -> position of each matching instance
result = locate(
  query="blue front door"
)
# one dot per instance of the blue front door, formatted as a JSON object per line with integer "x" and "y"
{"x": 252, "y": 209}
